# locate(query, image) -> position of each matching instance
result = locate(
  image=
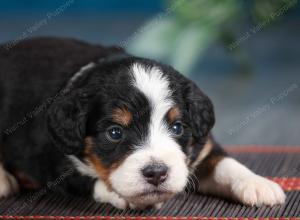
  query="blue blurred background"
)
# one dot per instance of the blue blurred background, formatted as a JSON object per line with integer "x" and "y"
{"x": 244, "y": 54}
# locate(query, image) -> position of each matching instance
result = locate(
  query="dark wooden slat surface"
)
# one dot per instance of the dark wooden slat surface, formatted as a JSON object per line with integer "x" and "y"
{"x": 185, "y": 204}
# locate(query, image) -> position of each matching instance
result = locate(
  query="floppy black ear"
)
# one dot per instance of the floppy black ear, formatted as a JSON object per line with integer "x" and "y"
{"x": 200, "y": 111}
{"x": 66, "y": 119}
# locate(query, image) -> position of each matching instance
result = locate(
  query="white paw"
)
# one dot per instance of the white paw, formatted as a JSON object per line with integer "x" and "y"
{"x": 133, "y": 206}
{"x": 157, "y": 206}
{"x": 117, "y": 202}
{"x": 113, "y": 199}
{"x": 104, "y": 195}
{"x": 255, "y": 190}
{"x": 8, "y": 184}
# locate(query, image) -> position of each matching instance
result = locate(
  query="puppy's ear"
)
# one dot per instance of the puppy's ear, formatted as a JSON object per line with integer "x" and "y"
{"x": 200, "y": 111}
{"x": 66, "y": 121}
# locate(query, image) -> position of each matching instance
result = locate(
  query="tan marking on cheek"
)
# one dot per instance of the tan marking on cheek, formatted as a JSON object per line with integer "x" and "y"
{"x": 207, "y": 167}
{"x": 215, "y": 160}
{"x": 174, "y": 114}
{"x": 210, "y": 164}
{"x": 102, "y": 170}
{"x": 122, "y": 116}
{"x": 204, "y": 152}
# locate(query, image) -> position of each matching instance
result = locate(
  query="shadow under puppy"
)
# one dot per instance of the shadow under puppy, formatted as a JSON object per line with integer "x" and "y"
{"x": 132, "y": 131}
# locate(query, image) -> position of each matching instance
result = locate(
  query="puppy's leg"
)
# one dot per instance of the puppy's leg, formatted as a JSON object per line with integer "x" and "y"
{"x": 104, "y": 195}
{"x": 221, "y": 175}
{"x": 8, "y": 184}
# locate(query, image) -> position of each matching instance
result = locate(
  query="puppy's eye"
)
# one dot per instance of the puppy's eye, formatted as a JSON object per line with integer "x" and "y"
{"x": 114, "y": 133}
{"x": 177, "y": 128}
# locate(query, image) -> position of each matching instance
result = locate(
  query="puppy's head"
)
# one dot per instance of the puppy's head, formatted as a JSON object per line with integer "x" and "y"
{"x": 135, "y": 124}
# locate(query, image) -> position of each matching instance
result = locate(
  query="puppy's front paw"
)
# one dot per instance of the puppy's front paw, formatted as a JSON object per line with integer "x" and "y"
{"x": 8, "y": 184}
{"x": 156, "y": 206}
{"x": 257, "y": 190}
{"x": 116, "y": 201}
{"x": 104, "y": 195}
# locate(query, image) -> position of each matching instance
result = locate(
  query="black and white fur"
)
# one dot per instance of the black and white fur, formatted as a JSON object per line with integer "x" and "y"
{"x": 79, "y": 87}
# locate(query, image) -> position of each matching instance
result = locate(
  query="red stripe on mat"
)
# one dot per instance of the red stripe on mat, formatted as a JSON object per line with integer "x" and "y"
{"x": 288, "y": 183}
{"x": 262, "y": 149}
{"x": 135, "y": 218}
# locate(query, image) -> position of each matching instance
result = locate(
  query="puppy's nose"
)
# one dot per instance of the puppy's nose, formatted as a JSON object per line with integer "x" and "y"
{"x": 155, "y": 174}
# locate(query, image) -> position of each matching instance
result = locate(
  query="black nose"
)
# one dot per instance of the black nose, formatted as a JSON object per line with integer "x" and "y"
{"x": 155, "y": 174}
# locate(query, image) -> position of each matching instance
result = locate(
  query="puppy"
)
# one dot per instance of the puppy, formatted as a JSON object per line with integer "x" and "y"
{"x": 95, "y": 121}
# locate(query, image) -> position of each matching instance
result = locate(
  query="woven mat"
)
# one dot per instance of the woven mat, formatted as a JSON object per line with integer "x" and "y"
{"x": 281, "y": 164}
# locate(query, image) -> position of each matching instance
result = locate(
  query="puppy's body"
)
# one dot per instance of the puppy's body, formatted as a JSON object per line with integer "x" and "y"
{"x": 31, "y": 77}
{"x": 126, "y": 130}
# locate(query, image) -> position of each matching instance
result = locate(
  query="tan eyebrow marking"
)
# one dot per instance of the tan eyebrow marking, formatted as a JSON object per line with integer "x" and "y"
{"x": 122, "y": 116}
{"x": 174, "y": 114}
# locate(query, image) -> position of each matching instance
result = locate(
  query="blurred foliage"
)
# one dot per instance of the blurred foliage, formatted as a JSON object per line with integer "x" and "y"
{"x": 263, "y": 8}
{"x": 183, "y": 32}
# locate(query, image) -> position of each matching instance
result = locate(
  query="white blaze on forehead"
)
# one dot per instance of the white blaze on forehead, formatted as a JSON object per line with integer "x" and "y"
{"x": 155, "y": 86}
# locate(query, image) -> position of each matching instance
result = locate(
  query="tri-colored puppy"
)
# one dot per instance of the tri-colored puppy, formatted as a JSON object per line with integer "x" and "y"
{"x": 127, "y": 131}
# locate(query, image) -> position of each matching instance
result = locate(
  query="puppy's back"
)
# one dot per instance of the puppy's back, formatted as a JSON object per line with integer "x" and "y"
{"x": 36, "y": 69}
{"x": 31, "y": 72}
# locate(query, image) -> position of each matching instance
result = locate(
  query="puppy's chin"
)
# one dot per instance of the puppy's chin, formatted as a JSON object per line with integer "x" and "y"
{"x": 150, "y": 197}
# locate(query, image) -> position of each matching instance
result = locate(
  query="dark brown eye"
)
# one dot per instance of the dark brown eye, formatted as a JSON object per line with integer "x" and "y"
{"x": 115, "y": 133}
{"x": 177, "y": 128}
